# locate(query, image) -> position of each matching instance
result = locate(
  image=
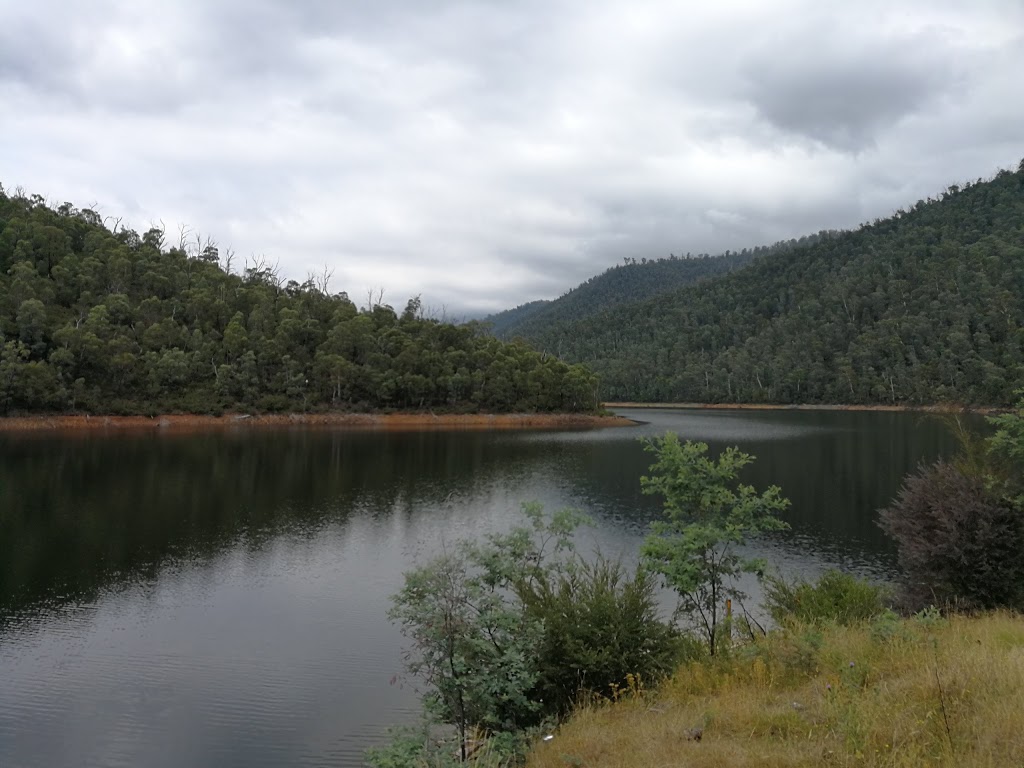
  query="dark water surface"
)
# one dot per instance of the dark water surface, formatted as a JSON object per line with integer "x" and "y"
{"x": 220, "y": 599}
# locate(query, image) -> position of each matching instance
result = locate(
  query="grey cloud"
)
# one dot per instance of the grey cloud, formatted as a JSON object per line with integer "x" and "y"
{"x": 842, "y": 93}
{"x": 487, "y": 154}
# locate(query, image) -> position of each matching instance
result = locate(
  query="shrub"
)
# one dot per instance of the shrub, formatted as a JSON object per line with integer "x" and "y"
{"x": 836, "y": 597}
{"x": 507, "y": 631}
{"x": 600, "y": 626}
{"x": 960, "y": 541}
{"x": 274, "y": 404}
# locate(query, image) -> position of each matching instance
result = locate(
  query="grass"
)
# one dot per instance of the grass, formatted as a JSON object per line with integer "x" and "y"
{"x": 924, "y": 691}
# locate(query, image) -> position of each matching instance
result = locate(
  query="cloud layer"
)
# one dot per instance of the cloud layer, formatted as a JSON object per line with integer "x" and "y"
{"x": 485, "y": 154}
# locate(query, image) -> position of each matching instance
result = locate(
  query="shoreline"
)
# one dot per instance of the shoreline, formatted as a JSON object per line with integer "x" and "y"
{"x": 393, "y": 422}
{"x": 937, "y": 408}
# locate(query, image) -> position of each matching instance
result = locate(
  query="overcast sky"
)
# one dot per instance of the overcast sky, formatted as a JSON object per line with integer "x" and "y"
{"x": 484, "y": 154}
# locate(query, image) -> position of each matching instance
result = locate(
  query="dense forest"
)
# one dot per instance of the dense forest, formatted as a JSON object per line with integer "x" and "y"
{"x": 629, "y": 282}
{"x": 925, "y": 306}
{"x": 100, "y": 319}
{"x": 502, "y": 323}
{"x": 624, "y": 283}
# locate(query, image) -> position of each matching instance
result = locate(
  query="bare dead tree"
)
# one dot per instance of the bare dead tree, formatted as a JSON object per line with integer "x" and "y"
{"x": 207, "y": 249}
{"x": 117, "y": 223}
{"x": 374, "y": 298}
{"x": 274, "y": 275}
{"x": 323, "y": 280}
{"x": 438, "y": 313}
{"x": 255, "y": 266}
{"x": 162, "y": 229}
{"x": 262, "y": 270}
{"x": 228, "y": 259}
{"x": 183, "y": 234}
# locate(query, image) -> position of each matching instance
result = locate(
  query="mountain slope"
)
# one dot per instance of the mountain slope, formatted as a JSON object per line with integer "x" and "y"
{"x": 502, "y": 324}
{"x": 925, "y": 306}
{"x": 627, "y": 283}
{"x": 114, "y": 322}
{"x": 624, "y": 283}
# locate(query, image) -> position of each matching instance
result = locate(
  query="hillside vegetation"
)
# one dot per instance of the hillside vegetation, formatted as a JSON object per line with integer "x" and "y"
{"x": 631, "y": 281}
{"x": 530, "y": 651}
{"x": 908, "y": 693}
{"x": 501, "y": 323}
{"x": 106, "y": 320}
{"x": 925, "y": 306}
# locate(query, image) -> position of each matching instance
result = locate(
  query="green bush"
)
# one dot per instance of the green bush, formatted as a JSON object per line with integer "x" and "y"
{"x": 274, "y": 404}
{"x": 507, "y": 632}
{"x": 836, "y": 597}
{"x": 600, "y": 626}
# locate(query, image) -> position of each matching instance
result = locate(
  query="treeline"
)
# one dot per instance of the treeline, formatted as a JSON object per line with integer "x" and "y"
{"x": 501, "y": 323}
{"x": 922, "y": 307}
{"x": 630, "y": 282}
{"x": 106, "y": 320}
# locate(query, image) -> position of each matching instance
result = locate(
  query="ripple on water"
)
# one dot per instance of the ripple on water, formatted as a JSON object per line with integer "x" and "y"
{"x": 220, "y": 601}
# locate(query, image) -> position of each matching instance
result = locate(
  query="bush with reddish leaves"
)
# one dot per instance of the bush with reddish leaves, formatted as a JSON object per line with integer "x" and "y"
{"x": 960, "y": 538}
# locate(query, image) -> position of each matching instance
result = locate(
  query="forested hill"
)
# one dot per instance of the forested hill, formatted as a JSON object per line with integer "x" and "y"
{"x": 109, "y": 321}
{"x": 501, "y": 323}
{"x": 926, "y": 306}
{"x": 625, "y": 283}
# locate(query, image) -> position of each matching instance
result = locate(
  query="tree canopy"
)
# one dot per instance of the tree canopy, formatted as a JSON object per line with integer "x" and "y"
{"x": 924, "y": 306}
{"x": 102, "y": 319}
{"x": 628, "y": 282}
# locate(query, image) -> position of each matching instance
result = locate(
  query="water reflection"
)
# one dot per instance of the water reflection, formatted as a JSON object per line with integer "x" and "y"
{"x": 220, "y": 599}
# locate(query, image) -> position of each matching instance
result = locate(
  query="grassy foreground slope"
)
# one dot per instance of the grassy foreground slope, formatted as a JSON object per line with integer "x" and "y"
{"x": 916, "y": 692}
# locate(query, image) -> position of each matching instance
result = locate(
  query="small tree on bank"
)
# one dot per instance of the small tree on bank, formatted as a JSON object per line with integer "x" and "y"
{"x": 708, "y": 513}
{"x": 1006, "y": 453}
{"x": 512, "y": 629}
{"x": 473, "y": 645}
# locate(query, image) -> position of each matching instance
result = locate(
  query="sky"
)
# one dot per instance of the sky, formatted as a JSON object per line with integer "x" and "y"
{"x": 484, "y": 154}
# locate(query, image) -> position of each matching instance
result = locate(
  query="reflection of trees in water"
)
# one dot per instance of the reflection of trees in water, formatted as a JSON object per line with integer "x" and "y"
{"x": 80, "y": 513}
{"x": 75, "y": 513}
{"x": 840, "y": 470}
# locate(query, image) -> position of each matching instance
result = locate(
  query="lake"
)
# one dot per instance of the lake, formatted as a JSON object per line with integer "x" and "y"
{"x": 219, "y": 599}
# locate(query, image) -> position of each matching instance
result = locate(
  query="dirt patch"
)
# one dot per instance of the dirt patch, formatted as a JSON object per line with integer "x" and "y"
{"x": 387, "y": 421}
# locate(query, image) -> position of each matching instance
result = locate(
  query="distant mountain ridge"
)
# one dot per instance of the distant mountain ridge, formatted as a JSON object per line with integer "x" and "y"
{"x": 501, "y": 323}
{"x": 628, "y": 282}
{"x": 924, "y": 306}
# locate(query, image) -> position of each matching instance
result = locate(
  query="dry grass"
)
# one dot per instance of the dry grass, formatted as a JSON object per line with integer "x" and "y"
{"x": 894, "y": 693}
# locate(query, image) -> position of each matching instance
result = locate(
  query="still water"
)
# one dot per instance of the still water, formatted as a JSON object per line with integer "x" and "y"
{"x": 220, "y": 599}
